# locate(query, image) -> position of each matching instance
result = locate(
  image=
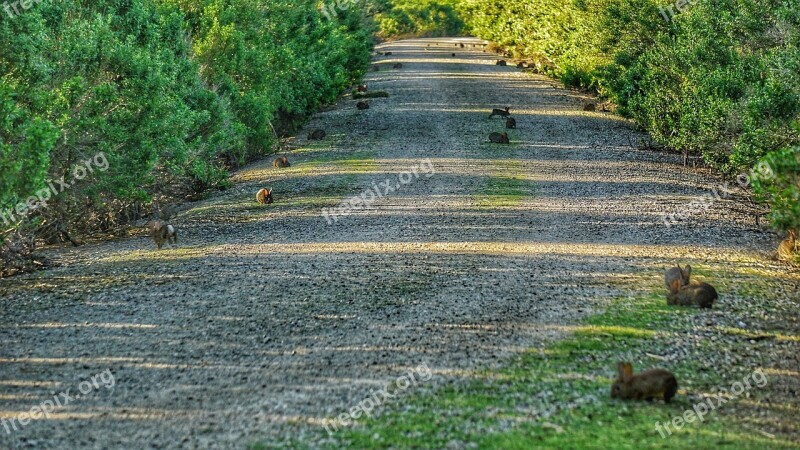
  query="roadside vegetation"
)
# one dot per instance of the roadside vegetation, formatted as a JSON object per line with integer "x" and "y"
{"x": 559, "y": 396}
{"x": 716, "y": 79}
{"x": 173, "y": 94}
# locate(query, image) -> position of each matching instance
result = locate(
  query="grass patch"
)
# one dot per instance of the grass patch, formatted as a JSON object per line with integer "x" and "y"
{"x": 370, "y": 94}
{"x": 357, "y": 164}
{"x": 503, "y": 191}
{"x": 559, "y": 398}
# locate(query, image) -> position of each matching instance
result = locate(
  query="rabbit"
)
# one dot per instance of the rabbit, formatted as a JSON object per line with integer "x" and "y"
{"x": 589, "y": 107}
{"x": 647, "y": 385}
{"x": 281, "y": 161}
{"x": 511, "y": 123}
{"x": 264, "y": 196}
{"x": 499, "y": 138}
{"x": 500, "y": 62}
{"x": 676, "y": 273}
{"x": 696, "y": 293}
{"x": 316, "y": 135}
{"x": 397, "y": 66}
{"x": 500, "y": 112}
{"x": 362, "y": 105}
{"x": 787, "y": 250}
{"x": 361, "y": 88}
{"x": 163, "y": 232}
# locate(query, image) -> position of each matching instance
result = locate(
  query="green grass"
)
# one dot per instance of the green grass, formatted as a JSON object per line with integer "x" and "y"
{"x": 358, "y": 163}
{"x": 503, "y": 191}
{"x": 370, "y": 94}
{"x": 558, "y": 397}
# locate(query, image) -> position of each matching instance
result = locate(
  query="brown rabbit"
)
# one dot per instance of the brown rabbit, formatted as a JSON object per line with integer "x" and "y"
{"x": 316, "y": 135}
{"x": 281, "y": 161}
{"x": 589, "y": 107}
{"x": 500, "y": 112}
{"x": 361, "y": 88}
{"x": 696, "y": 293}
{"x": 264, "y": 196}
{"x": 499, "y": 138}
{"x": 362, "y": 105}
{"x": 500, "y": 62}
{"x": 647, "y": 385}
{"x": 787, "y": 250}
{"x": 163, "y": 232}
{"x": 511, "y": 123}
{"x": 676, "y": 273}
{"x": 397, "y": 66}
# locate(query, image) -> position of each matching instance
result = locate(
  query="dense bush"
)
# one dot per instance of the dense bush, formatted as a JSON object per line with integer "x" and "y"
{"x": 422, "y": 18}
{"x": 778, "y": 183}
{"x": 169, "y": 92}
{"x": 721, "y": 79}
{"x": 276, "y": 62}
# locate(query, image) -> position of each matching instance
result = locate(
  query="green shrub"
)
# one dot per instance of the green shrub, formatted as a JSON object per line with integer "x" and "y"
{"x": 721, "y": 79}
{"x": 169, "y": 91}
{"x": 777, "y": 182}
{"x": 425, "y": 18}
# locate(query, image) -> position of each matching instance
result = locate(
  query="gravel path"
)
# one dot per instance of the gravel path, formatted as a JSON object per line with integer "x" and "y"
{"x": 268, "y": 322}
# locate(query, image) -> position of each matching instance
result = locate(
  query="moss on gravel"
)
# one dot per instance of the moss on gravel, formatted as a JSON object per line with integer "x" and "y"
{"x": 502, "y": 191}
{"x": 558, "y": 397}
{"x": 506, "y": 186}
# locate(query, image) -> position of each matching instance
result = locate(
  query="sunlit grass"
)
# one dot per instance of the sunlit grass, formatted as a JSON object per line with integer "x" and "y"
{"x": 507, "y": 185}
{"x": 558, "y": 397}
{"x": 503, "y": 192}
{"x": 370, "y": 94}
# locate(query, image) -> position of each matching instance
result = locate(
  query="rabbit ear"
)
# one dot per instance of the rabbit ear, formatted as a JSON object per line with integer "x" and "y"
{"x": 625, "y": 370}
{"x": 687, "y": 271}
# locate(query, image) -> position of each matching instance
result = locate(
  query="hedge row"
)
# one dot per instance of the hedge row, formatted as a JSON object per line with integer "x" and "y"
{"x": 171, "y": 93}
{"x": 716, "y": 78}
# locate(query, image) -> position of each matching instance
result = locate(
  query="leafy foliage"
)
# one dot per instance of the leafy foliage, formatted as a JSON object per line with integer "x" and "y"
{"x": 777, "y": 181}
{"x": 425, "y": 18}
{"x": 720, "y": 79}
{"x": 171, "y": 92}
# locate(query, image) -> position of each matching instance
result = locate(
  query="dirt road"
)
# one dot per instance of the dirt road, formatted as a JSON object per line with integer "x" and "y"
{"x": 267, "y": 322}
